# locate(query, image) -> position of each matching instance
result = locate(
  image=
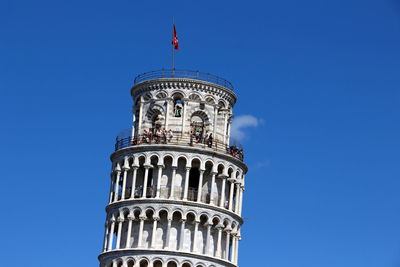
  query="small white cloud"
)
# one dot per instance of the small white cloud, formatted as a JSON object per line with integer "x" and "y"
{"x": 240, "y": 123}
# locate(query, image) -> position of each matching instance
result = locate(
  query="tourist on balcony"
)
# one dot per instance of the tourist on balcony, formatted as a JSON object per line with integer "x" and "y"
{"x": 170, "y": 135}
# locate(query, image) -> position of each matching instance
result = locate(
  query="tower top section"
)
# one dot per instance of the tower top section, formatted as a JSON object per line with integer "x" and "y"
{"x": 215, "y": 90}
{"x": 183, "y": 74}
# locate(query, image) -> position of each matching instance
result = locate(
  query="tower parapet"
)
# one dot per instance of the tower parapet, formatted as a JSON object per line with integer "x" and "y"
{"x": 176, "y": 183}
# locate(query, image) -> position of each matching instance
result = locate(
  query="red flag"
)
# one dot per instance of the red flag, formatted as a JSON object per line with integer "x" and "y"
{"x": 175, "y": 39}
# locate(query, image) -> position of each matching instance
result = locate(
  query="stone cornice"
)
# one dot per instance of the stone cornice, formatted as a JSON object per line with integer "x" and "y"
{"x": 177, "y": 148}
{"x": 185, "y": 84}
{"x": 160, "y": 252}
{"x": 175, "y": 203}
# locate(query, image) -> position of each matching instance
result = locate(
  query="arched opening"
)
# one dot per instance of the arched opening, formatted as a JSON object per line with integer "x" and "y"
{"x": 157, "y": 263}
{"x": 130, "y": 263}
{"x": 197, "y": 129}
{"x": 178, "y": 104}
{"x": 172, "y": 264}
{"x": 119, "y": 264}
{"x": 139, "y": 183}
{"x": 143, "y": 263}
{"x": 186, "y": 265}
{"x": 194, "y": 179}
{"x": 166, "y": 178}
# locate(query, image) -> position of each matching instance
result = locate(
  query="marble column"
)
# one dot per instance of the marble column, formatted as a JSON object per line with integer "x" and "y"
{"x": 119, "y": 232}
{"x": 186, "y": 187}
{"x": 196, "y": 229}
{"x": 212, "y": 189}
{"x": 232, "y": 187}
{"x": 134, "y": 174}
{"x": 105, "y": 237}
{"x": 158, "y": 191}
{"x": 124, "y": 181}
{"x": 111, "y": 234}
{"x": 218, "y": 251}
{"x": 171, "y": 195}
{"x": 167, "y": 239}
{"x": 237, "y": 198}
{"x": 117, "y": 178}
{"x": 182, "y": 234}
{"x": 208, "y": 235}
{"x": 200, "y": 187}
{"x": 129, "y": 232}
{"x": 222, "y": 200}
{"x": 146, "y": 177}
{"x": 228, "y": 240}
{"x": 154, "y": 232}
{"x": 142, "y": 218}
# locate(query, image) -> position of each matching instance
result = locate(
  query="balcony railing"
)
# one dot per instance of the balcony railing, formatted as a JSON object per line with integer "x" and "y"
{"x": 189, "y": 74}
{"x": 186, "y": 140}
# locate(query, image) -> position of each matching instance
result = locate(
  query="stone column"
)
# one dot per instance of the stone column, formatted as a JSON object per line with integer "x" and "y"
{"x": 111, "y": 188}
{"x": 129, "y": 232}
{"x": 215, "y": 123}
{"x": 116, "y": 185}
{"x": 232, "y": 181}
{"x": 105, "y": 237}
{"x": 228, "y": 239}
{"x": 212, "y": 189}
{"x": 207, "y": 248}
{"x": 171, "y": 195}
{"x": 124, "y": 181}
{"x": 134, "y": 181}
{"x": 140, "y": 118}
{"x": 120, "y": 221}
{"x": 237, "y": 198}
{"x": 160, "y": 167}
{"x": 185, "y": 191}
{"x": 200, "y": 187}
{"x": 184, "y": 103}
{"x": 233, "y": 252}
{"x": 222, "y": 200}
{"x": 182, "y": 234}
{"x": 196, "y": 229}
{"x": 166, "y": 114}
{"x": 167, "y": 239}
{"x": 154, "y": 232}
{"x": 237, "y": 248}
{"x": 219, "y": 241}
{"x": 111, "y": 234}
{"x": 142, "y": 218}
{"x": 146, "y": 177}
{"x": 241, "y": 200}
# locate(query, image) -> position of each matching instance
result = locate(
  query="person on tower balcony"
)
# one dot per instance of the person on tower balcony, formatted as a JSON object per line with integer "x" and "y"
{"x": 170, "y": 135}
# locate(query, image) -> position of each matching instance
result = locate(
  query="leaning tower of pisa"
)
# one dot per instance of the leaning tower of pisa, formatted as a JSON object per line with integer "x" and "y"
{"x": 176, "y": 182}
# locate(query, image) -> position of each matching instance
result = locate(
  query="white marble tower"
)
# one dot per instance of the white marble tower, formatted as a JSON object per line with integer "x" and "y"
{"x": 176, "y": 184}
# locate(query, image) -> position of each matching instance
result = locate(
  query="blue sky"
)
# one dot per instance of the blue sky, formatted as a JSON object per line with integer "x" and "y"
{"x": 320, "y": 80}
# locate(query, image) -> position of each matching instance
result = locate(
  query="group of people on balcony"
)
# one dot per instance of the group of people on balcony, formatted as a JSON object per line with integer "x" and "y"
{"x": 235, "y": 152}
{"x": 197, "y": 136}
{"x": 158, "y": 135}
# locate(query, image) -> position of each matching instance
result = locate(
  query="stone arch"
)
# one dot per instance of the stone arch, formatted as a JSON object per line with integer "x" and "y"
{"x": 187, "y": 264}
{"x": 195, "y": 97}
{"x": 130, "y": 262}
{"x": 162, "y": 94}
{"x": 201, "y": 114}
{"x": 158, "y": 263}
{"x": 210, "y": 100}
{"x": 147, "y": 97}
{"x": 172, "y": 263}
{"x": 144, "y": 262}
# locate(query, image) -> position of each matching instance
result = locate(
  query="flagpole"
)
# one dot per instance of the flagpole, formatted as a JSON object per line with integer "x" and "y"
{"x": 173, "y": 48}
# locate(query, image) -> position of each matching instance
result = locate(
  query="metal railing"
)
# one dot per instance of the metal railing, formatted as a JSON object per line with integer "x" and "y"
{"x": 188, "y": 140}
{"x": 190, "y": 74}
